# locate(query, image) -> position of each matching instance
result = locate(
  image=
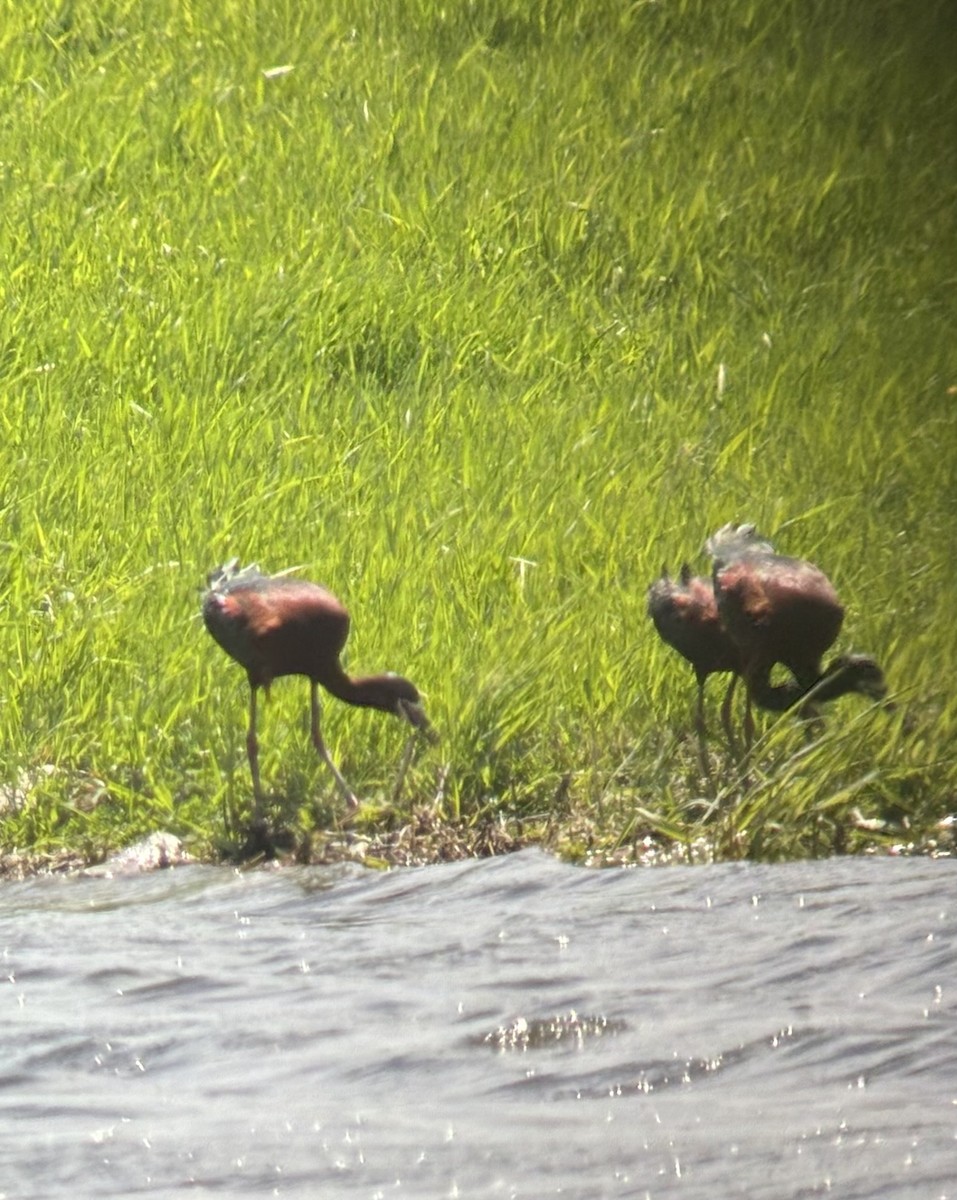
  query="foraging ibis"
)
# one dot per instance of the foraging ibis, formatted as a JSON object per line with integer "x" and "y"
{"x": 685, "y": 614}
{"x": 784, "y": 610}
{"x": 275, "y": 625}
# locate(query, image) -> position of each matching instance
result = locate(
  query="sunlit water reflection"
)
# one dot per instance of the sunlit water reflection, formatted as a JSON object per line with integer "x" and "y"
{"x": 505, "y": 1027}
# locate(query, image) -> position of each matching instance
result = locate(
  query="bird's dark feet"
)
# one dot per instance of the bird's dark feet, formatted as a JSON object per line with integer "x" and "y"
{"x": 263, "y": 843}
{"x": 349, "y": 813}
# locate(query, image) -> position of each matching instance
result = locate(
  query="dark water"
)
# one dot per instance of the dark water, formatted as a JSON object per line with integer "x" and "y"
{"x": 698, "y": 1032}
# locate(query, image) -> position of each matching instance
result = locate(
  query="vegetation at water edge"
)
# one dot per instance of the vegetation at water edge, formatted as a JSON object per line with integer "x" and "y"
{"x": 479, "y": 312}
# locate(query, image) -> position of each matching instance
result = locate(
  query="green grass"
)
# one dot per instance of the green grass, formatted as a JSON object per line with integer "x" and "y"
{"x": 481, "y": 312}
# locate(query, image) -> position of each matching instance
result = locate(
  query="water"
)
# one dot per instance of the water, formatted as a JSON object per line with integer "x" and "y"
{"x": 506, "y": 1027}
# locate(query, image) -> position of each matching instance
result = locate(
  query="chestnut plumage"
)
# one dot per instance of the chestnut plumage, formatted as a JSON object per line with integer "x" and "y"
{"x": 685, "y": 614}
{"x": 275, "y": 625}
{"x": 784, "y": 610}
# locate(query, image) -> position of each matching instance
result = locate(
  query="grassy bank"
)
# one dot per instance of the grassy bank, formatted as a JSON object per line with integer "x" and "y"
{"x": 480, "y": 312}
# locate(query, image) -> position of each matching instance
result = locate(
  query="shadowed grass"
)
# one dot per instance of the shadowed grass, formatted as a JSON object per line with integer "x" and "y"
{"x": 480, "y": 313}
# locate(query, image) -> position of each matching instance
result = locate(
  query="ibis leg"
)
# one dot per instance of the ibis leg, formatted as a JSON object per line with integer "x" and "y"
{"x": 699, "y": 722}
{"x": 748, "y": 723}
{"x": 702, "y": 731}
{"x": 726, "y": 715}
{"x": 404, "y": 764}
{"x": 252, "y": 751}
{"x": 347, "y": 792}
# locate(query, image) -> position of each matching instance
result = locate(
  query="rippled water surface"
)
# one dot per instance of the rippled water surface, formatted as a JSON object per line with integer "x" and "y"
{"x": 507, "y": 1027}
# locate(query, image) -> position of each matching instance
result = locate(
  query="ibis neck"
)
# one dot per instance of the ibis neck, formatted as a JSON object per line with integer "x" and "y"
{"x": 835, "y": 681}
{"x": 774, "y": 697}
{"x": 365, "y": 691}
